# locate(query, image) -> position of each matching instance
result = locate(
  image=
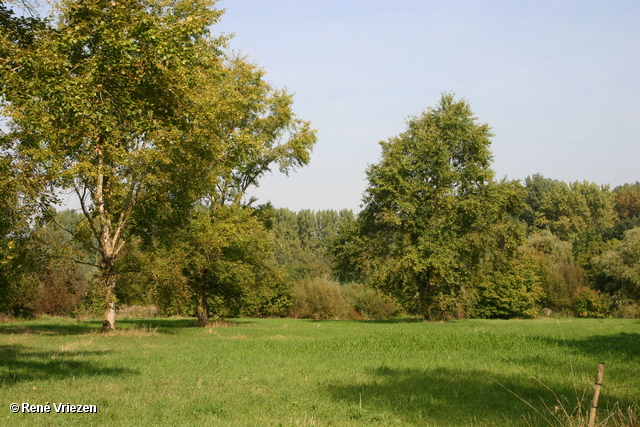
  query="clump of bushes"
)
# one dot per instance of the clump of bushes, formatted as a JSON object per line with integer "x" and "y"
{"x": 623, "y": 307}
{"x": 560, "y": 277}
{"x": 370, "y": 303}
{"x": 321, "y": 298}
{"x": 590, "y": 303}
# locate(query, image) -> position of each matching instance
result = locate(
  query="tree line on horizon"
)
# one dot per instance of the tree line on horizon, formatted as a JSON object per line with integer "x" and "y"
{"x": 159, "y": 130}
{"x": 563, "y": 261}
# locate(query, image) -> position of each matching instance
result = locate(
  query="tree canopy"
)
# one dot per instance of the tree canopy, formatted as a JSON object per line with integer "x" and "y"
{"x": 131, "y": 103}
{"x": 430, "y": 211}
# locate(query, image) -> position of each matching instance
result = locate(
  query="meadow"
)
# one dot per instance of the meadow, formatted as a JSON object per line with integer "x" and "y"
{"x": 281, "y": 372}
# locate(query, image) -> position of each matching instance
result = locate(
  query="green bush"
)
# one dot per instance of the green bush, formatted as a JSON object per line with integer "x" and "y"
{"x": 23, "y": 297}
{"x": 560, "y": 275}
{"x": 590, "y": 303}
{"x": 621, "y": 265}
{"x": 511, "y": 289}
{"x": 269, "y": 295}
{"x": 94, "y": 302}
{"x": 319, "y": 298}
{"x": 623, "y": 307}
{"x": 370, "y": 303}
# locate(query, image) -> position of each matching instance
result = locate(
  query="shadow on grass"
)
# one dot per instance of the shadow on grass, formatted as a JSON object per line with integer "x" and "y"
{"x": 56, "y": 326}
{"x": 171, "y": 326}
{"x": 448, "y": 397}
{"x": 381, "y": 321}
{"x": 49, "y": 327}
{"x": 20, "y": 365}
{"x": 623, "y": 344}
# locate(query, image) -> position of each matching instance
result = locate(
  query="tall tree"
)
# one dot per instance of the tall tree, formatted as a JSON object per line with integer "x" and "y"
{"x": 123, "y": 102}
{"x": 429, "y": 211}
{"x": 627, "y": 199}
{"x": 302, "y": 240}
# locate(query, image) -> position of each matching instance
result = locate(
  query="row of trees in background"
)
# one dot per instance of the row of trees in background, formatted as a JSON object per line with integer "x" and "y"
{"x": 275, "y": 262}
{"x": 159, "y": 131}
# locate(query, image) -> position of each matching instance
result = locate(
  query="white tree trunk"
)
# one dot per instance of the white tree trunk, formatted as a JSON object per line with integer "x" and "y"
{"x": 109, "y": 322}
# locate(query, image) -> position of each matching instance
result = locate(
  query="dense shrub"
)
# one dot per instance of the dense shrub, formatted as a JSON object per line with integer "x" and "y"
{"x": 272, "y": 298}
{"x": 561, "y": 283}
{"x": 319, "y": 298}
{"x": 510, "y": 289}
{"x": 370, "y": 303}
{"x": 172, "y": 299}
{"x": 624, "y": 307}
{"x": 560, "y": 277}
{"x": 58, "y": 296}
{"x": 19, "y": 284}
{"x": 63, "y": 285}
{"x": 590, "y": 303}
{"x": 23, "y": 295}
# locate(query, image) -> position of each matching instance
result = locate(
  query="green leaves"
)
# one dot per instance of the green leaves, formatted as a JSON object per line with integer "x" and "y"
{"x": 136, "y": 108}
{"x": 568, "y": 209}
{"x": 227, "y": 254}
{"x": 622, "y": 263}
{"x": 433, "y": 215}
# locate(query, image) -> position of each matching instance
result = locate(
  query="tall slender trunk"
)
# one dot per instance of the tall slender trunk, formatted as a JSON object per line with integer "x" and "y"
{"x": 108, "y": 228}
{"x": 109, "y": 278}
{"x": 107, "y": 241}
{"x": 203, "y": 306}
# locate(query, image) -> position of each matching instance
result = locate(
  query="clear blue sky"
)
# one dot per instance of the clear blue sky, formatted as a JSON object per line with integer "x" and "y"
{"x": 557, "y": 81}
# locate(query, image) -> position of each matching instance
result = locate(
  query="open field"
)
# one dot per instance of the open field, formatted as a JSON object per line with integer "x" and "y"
{"x": 272, "y": 372}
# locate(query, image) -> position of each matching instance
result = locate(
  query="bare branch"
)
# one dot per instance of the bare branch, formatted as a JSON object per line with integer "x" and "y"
{"x": 77, "y": 261}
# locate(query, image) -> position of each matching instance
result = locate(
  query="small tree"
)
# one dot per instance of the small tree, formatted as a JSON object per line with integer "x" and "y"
{"x": 259, "y": 133}
{"x": 229, "y": 265}
{"x": 561, "y": 277}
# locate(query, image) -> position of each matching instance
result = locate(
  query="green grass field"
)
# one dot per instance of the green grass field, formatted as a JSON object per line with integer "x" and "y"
{"x": 272, "y": 372}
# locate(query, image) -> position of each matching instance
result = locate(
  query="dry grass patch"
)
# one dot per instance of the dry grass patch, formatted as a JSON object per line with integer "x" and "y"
{"x": 134, "y": 331}
{"x": 137, "y": 311}
{"x": 606, "y": 417}
{"x": 6, "y": 318}
{"x": 277, "y": 337}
